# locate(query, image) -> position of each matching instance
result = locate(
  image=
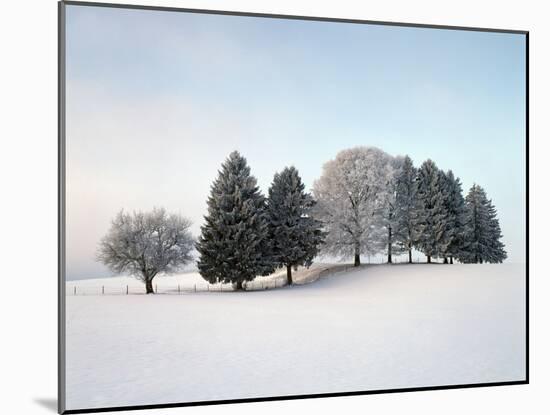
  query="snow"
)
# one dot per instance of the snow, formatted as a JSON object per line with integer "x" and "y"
{"x": 377, "y": 327}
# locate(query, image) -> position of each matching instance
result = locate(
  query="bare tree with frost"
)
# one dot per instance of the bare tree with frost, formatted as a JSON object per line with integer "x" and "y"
{"x": 349, "y": 193}
{"x": 145, "y": 244}
{"x": 408, "y": 223}
{"x": 388, "y": 213}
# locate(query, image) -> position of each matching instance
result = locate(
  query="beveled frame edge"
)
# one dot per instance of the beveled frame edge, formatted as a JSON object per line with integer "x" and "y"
{"x": 290, "y": 17}
{"x": 61, "y": 349}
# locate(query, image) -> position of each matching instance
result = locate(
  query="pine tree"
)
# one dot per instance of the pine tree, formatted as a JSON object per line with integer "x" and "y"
{"x": 457, "y": 216}
{"x": 496, "y": 253}
{"x": 448, "y": 230}
{"x": 407, "y": 223}
{"x": 234, "y": 245}
{"x": 294, "y": 235}
{"x": 476, "y": 225}
{"x": 433, "y": 216}
{"x": 482, "y": 231}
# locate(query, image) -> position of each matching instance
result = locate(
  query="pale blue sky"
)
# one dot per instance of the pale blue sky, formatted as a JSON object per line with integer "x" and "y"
{"x": 156, "y": 100}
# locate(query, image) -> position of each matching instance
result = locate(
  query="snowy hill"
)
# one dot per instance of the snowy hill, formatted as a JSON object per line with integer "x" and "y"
{"x": 376, "y": 327}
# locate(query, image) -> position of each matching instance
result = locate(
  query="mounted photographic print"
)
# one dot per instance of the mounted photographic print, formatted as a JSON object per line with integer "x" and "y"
{"x": 258, "y": 207}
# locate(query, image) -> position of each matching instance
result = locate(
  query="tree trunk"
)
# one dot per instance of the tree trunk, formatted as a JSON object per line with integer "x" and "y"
{"x": 445, "y": 260}
{"x": 289, "y": 275}
{"x": 410, "y": 256}
{"x": 149, "y": 286}
{"x": 389, "y": 244}
{"x": 357, "y": 260}
{"x": 451, "y": 260}
{"x": 238, "y": 286}
{"x": 429, "y": 259}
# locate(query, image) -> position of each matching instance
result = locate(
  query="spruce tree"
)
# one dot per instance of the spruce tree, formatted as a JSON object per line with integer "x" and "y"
{"x": 234, "y": 245}
{"x": 448, "y": 230}
{"x": 457, "y": 216}
{"x": 407, "y": 221}
{"x": 482, "y": 231}
{"x": 433, "y": 215}
{"x": 496, "y": 252}
{"x": 475, "y": 241}
{"x": 294, "y": 235}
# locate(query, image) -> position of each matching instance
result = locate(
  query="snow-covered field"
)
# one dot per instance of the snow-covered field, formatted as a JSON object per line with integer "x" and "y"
{"x": 377, "y": 327}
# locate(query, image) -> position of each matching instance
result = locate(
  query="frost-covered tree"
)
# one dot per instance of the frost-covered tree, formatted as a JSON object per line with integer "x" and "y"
{"x": 497, "y": 254}
{"x": 348, "y": 194}
{"x": 448, "y": 231}
{"x": 407, "y": 221}
{"x": 234, "y": 245}
{"x": 388, "y": 213}
{"x": 145, "y": 244}
{"x": 482, "y": 230}
{"x": 456, "y": 210}
{"x": 433, "y": 216}
{"x": 294, "y": 235}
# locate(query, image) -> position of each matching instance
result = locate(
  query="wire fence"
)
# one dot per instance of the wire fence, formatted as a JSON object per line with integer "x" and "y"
{"x": 259, "y": 284}
{"x": 75, "y": 289}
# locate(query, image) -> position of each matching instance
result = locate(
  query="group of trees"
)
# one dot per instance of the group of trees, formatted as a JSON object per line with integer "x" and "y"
{"x": 365, "y": 202}
{"x": 372, "y": 203}
{"x": 247, "y": 235}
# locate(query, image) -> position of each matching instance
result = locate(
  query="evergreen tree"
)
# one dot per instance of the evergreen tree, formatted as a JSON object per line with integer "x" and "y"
{"x": 294, "y": 235}
{"x": 475, "y": 238}
{"x": 433, "y": 216}
{"x": 457, "y": 216}
{"x": 407, "y": 223}
{"x": 496, "y": 252}
{"x": 482, "y": 231}
{"x": 448, "y": 230}
{"x": 234, "y": 245}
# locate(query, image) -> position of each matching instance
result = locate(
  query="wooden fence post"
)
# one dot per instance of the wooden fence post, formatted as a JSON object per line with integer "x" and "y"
{"x": 102, "y": 290}
{"x": 74, "y": 290}
{"x": 126, "y": 289}
{"x": 178, "y": 288}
